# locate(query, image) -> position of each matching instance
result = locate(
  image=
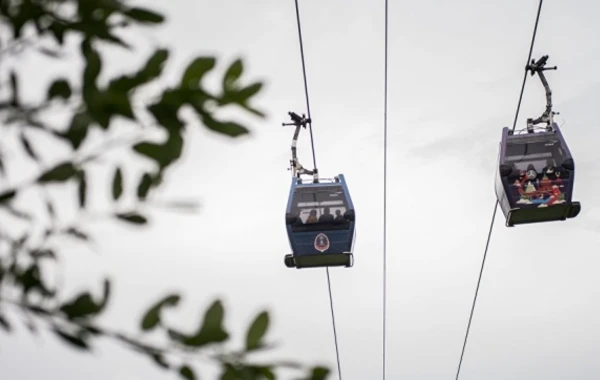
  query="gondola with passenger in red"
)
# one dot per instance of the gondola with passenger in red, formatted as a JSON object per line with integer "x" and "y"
{"x": 536, "y": 171}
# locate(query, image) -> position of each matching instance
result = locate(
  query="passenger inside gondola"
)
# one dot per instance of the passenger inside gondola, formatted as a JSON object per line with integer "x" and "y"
{"x": 317, "y": 207}
{"x": 326, "y": 217}
{"x": 542, "y": 188}
{"x": 338, "y": 217}
{"x": 312, "y": 217}
{"x": 536, "y": 168}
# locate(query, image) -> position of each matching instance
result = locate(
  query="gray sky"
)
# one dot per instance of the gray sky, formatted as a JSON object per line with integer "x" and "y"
{"x": 455, "y": 72}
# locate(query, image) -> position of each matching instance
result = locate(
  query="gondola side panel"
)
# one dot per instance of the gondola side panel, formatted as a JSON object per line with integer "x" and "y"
{"x": 501, "y": 183}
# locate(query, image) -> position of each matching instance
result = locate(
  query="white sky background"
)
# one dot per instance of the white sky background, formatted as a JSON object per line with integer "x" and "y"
{"x": 455, "y": 72}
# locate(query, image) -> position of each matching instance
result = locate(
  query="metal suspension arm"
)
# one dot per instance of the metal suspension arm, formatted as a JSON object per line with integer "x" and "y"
{"x": 547, "y": 116}
{"x": 298, "y": 121}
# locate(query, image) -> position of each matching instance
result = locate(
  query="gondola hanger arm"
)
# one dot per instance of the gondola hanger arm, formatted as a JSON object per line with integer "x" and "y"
{"x": 297, "y": 168}
{"x": 547, "y": 117}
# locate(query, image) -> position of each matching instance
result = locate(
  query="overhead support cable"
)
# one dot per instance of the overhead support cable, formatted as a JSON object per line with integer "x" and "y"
{"x": 537, "y": 19}
{"x": 315, "y": 171}
{"x": 385, "y": 110}
{"x": 487, "y": 244}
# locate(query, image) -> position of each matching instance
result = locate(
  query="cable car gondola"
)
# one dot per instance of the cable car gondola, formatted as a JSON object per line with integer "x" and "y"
{"x": 320, "y": 216}
{"x": 536, "y": 171}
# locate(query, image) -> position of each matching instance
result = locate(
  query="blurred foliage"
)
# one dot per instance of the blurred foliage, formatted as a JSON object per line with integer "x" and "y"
{"x": 52, "y": 28}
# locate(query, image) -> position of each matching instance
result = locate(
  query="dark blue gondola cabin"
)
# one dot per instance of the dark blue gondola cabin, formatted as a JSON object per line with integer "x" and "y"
{"x": 536, "y": 174}
{"x": 320, "y": 222}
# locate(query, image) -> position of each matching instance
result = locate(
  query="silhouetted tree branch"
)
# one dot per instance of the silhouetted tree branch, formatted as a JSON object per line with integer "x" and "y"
{"x": 29, "y": 244}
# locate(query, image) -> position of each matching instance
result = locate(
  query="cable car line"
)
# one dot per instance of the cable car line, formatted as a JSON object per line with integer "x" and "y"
{"x": 337, "y": 351}
{"x": 314, "y": 172}
{"x": 312, "y": 143}
{"x": 537, "y": 19}
{"x": 487, "y": 244}
{"x": 385, "y": 109}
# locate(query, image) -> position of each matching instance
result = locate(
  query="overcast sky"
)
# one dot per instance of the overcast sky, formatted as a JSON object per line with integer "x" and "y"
{"x": 455, "y": 72}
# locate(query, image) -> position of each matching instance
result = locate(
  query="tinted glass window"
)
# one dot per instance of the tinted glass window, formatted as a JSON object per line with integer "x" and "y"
{"x": 537, "y": 178}
{"x": 540, "y": 155}
{"x": 319, "y": 208}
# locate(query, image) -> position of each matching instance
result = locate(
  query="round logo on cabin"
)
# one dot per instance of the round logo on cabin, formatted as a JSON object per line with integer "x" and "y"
{"x": 321, "y": 242}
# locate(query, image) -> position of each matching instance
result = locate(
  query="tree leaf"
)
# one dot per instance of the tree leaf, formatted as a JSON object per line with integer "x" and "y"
{"x": 319, "y": 373}
{"x": 154, "y": 65}
{"x": 27, "y": 146}
{"x": 165, "y": 154}
{"x": 76, "y": 341}
{"x": 259, "y": 372}
{"x": 152, "y": 317}
{"x": 59, "y": 173}
{"x": 165, "y": 113}
{"x": 144, "y": 15}
{"x": 231, "y": 129}
{"x": 150, "y": 150}
{"x": 105, "y": 294}
{"x": 233, "y": 73}
{"x": 82, "y": 189}
{"x": 196, "y": 70}
{"x": 252, "y": 110}
{"x": 124, "y": 83}
{"x": 151, "y": 70}
{"x": 4, "y": 323}
{"x": 267, "y": 372}
{"x": 257, "y": 330}
{"x": 7, "y": 196}
{"x": 77, "y": 233}
{"x": 30, "y": 279}
{"x": 187, "y": 373}
{"x": 50, "y": 208}
{"x": 59, "y": 88}
{"x": 229, "y": 373}
{"x": 49, "y": 52}
{"x": 108, "y": 36}
{"x": 18, "y": 213}
{"x": 84, "y": 305}
{"x": 93, "y": 64}
{"x": 78, "y": 129}
{"x": 242, "y": 96}
{"x": 2, "y": 168}
{"x": 117, "y": 103}
{"x": 160, "y": 360}
{"x": 132, "y": 217}
{"x": 117, "y": 186}
{"x": 176, "y": 335}
{"x": 211, "y": 330}
{"x": 93, "y": 330}
{"x": 144, "y": 186}
{"x": 58, "y": 31}
{"x": 42, "y": 253}
{"x": 15, "y": 88}
{"x": 228, "y": 128}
